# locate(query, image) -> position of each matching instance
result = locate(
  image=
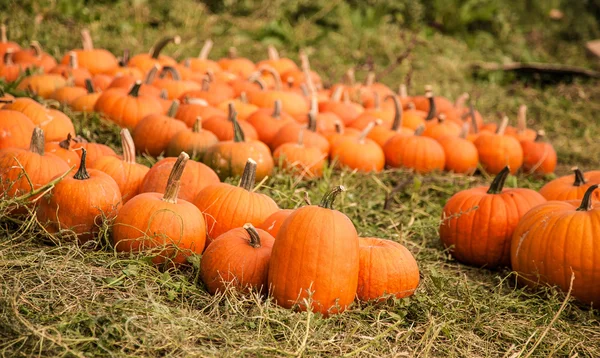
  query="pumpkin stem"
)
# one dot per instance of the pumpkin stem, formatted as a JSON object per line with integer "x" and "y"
{"x": 314, "y": 104}
{"x": 128, "y": 146}
{"x": 8, "y": 57}
{"x": 135, "y": 90}
{"x": 337, "y": 94}
{"x": 376, "y": 101}
{"x": 277, "y": 109}
{"x": 290, "y": 82}
{"x": 197, "y": 125}
{"x": 37, "y": 141}
{"x": 329, "y": 198}
{"x": 254, "y": 237}
{"x": 473, "y": 119}
{"x": 205, "y": 83}
{"x": 301, "y": 137}
{"x": 238, "y": 133}
{"x": 151, "y": 74}
{"x": 365, "y": 132}
{"x": 173, "y": 108}
{"x": 502, "y": 126}
{"x": 349, "y": 77}
{"x": 258, "y": 81}
{"x": 420, "y": 129}
{"x": 89, "y": 86}
{"x": 66, "y": 144}
{"x": 243, "y": 97}
{"x": 304, "y": 89}
{"x": 170, "y": 70}
{"x": 464, "y": 131}
{"x": 522, "y": 119}
{"x": 3, "y": 37}
{"x": 86, "y": 40}
{"x": 339, "y": 128}
{"x": 402, "y": 91}
{"x": 579, "y": 177}
{"x": 370, "y": 79}
{"x": 125, "y": 58}
{"x": 82, "y": 173}
{"x": 461, "y": 100}
{"x": 174, "y": 181}
{"x": 73, "y": 63}
{"x": 397, "y": 112}
{"x": 498, "y": 183}
{"x": 273, "y": 73}
{"x": 432, "y": 109}
{"x": 539, "y": 135}
{"x": 441, "y": 118}
{"x": 208, "y": 44}
{"x": 586, "y": 202}
{"x": 273, "y": 53}
{"x": 312, "y": 122}
{"x": 249, "y": 175}
{"x": 232, "y": 52}
{"x": 37, "y": 48}
{"x": 305, "y": 65}
{"x": 163, "y": 94}
{"x": 160, "y": 44}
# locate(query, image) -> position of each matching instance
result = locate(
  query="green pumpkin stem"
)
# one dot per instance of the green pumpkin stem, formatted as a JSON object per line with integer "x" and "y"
{"x": 174, "y": 181}
{"x": 89, "y": 86}
{"x": 254, "y": 236}
{"x": 66, "y": 144}
{"x": 579, "y": 177}
{"x": 498, "y": 183}
{"x": 160, "y": 44}
{"x": 197, "y": 125}
{"x": 312, "y": 122}
{"x": 329, "y": 198}
{"x": 82, "y": 173}
{"x": 432, "y": 110}
{"x": 37, "y": 141}
{"x": 249, "y": 175}
{"x": 173, "y": 108}
{"x": 128, "y": 146}
{"x": 135, "y": 90}
{"x": 586, "y": 202}
{"x": 277, "y": 109}
{"x": 397, "y": 112}
{"x": 208, "y": 45}
{"x": 238, "y": 132}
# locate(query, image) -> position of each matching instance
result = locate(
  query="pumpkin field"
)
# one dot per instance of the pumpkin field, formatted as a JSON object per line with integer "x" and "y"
{"x": 324, "y": 178}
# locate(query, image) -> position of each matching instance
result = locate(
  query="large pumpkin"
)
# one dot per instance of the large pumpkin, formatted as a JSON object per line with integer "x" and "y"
{"x": 478, "y": 223}
{"x": 557, "y": 244}
{"x": 315, "y": 259}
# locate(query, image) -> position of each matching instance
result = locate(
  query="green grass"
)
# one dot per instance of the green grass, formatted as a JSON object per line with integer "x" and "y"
{"x": 59, "y": 299}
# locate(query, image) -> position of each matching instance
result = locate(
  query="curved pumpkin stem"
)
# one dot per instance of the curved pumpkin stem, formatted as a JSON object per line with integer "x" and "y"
{"x": 89, "y": 86}
{"x": 37, "y": 141}
{"x": 502, "y": 126}
{"x": 473, "y": 119}
{"x": 3, "y": 37}
{"x": 128, "y": 146}
{"x": 365, "y": 132}
{"x": 539, "y": 135}
{"x": 160, "y": 44}
{"x": 272, "y": 53}
{"x": 329, "y": 198}
{"x": 461, "y": 100}
{"x": 238, "y": 133}
{"x": 86, "y": 40}
{"x": 249, "y": 175}
{"x": 66, "y": 144}
{"x": 464, "y": 131}
{"x": 174, "y": 181}
{"x": 173, "y": 108}
{"x": 73, "y": 62}
{"x": 135, "y": 90}
{"x": 208, "y": 45}
{"x": 312, "y": 122}
{"x": 124, "y": 60}
{"x": 522, "y": 119}
{"x": 579, "y": 177}
{"x": 170, "y": 70}
{"x": 151, "y": 74}
{"x": 197, "y": 125}
{"x": 273, "y": 73}
{"x": 8, "y": 57}
{"x": 277, "y": 109}
{"x": 402, "y": 91}
{"x": 37, "y": 48}
{"x": 498, "y": 183}
{"x": 82, "y": 173}
{"x": 432, "y": 109}
{"x": 258, "y": 81}
{"x": 397, "y": 112}
{"x": 254, "y": 236}
{"x": 301, "y": 137}
{"x": 337, "y": 94}
{"x": 586, "y": 202}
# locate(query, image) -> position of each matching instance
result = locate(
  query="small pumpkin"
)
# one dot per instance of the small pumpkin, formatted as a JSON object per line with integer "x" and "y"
{"x": 86, "y": 102}
{"x": 146, "y": 61}
{"x": 6, "y": 45}
{"x": 539, "y": 157}
{"x": 292, "y": 103}
{"x": 440, "y": 127}
{"x": 460, "y": 153}
{"x": 80, "y": 203}
{"x": 72, "y": 71}
{"x": 66, "y": 95}
{"x": 214, "y": 93}
{"x": 42, "y": 85}
{"x": 154, "y": 132}
{"x": 238, "y": 258}
{"x": 95, "y": 151}
{"x": 478, "y": 223}
{"x": 381, "y": 133}
{"x": 195, "y": 141}
{"x": 57, "y": 125}
{"x": 173, "y": 83}
{"x": 268, "y": 122}
{"x": 273, "y": 223}
{"x": 162, "y": 226}
{"x": 299, "y": 159}
{"x": 422, "y": 154}
{"x": 223, "y": 128}
{"x": 190, "y": 109}
{"x": 570, "y": 187}
{"x": 202, "y": 64}
{"x": 35, "y": 56}
{"x": 289, "y": 134}
{"x": 93, "y": 59}
{"x": 10, "y": 71}
{"x": 497, "y": 150}
{"x": 521, "y": 132}
{"x": 63, "y": 150}
{"x": 239, "y": 66}
{"x": 347, "y": 111}
{"x": 15, "y": 129}
{"x": 362, "y": 153}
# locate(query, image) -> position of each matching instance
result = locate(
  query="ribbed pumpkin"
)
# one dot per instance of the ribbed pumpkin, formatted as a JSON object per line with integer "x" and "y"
{"x": 126, "y": 82}
{"x": 80, "y": 203}
{"x": 273, "y": 223}
{"x": 146, "y": 61}
{"x": 126, "y": 172}
{"x": 300, "y": 159}
{"x": 72, "y": 71}
{"x": 196, "y": 177}
{"x": 340, "y": 133}
{"x": 289, "y": 134}
{"x": 154, "y": 132}
{"x": 67, "y": 94}
{"x": 190, "y": 109}
{"x": 422, "y": 154}
{"x": 440, "y": 127}
{"x": 29, "y": 107}
{"x": 240, "y": 66}
{"x": 539, "y": 157}
{"x": 226, "y": 206}
{"x": 57, "y": 126}
{"x": 478, "y": 223}
{"x": 95, "y": 151}
{"x": 570, "y": 187}
{"x": 242, "y": 107}
{"x": 345, "y": 110}
{"x": 557, "y": 242}
{"x": 214, "y": 93}
{"x": 315, "y": 256}
{"x": 281, "y": 65}
{"x": 239, "y": 259}
{"x": 35, "y": 56}
{"x": 10, "y": 71}
{"x": 361, "y": 153}
{"x": 268, "y": 122}
{"x": 223, "y": 128}
{"x": 292, "y": 103}
{"x": 229, "y": 158}
{"x": 161, "y": 226}
{"x": 497, "y": 150}
{"x": 461, "y": 154}
{"x": 42, "y": 85}
{"x": 86, "y": 102}
{"x": 386, "y": 268}
{"x": 195, "y": 141}
{"x": 202, "y": 64}
{"x": 6, "y": 45}
{"x": 95, "y": 60}
{"x": 63, "y": 150}
{"x": 127, "y": 109}
{"x": 15, "y": 129}
{"x": 39, "y": 166}
{"x": 170, "y": 80}
{"x": 382, "y": 133}
{"x": 521, "y": 132}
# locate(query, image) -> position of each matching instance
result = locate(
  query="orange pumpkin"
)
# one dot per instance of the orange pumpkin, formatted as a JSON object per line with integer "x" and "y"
{"x": 223, "y": 128}
{"x": 6, "y": 45}
{"x": 461, "y": 154}
{"x": 570, "y": 187}
{"x": 95, "y": 151}
{"x": 268, "y": 122}
{"x": 345, "y": 110}
{"x": 521, "y": 132}
{"x": 166, "y": 228}
{"x": 94, "y": 60}
{"x": 42, "y": 85}
{"x": 311, "y": 139}
{"x": 440, "y": 127}
{"x": 10, "y": 71}
{"x": 497, "y": 150}
{"x": 292, "y": 103}
{"x": 190, "y": 109}
{"x": 86, "y": 102}
{"x": 72, "y": 70}
{"x": 195, "y": 141}
{"x": 154, "y": 132}
{"x": 273, "y": 223}
{"x": 299, "y": 159}
{"x": 146, "y": 61}
{"x": 63, "y": 150}
{"x": 15, "y": 129}
{"x": 422, "y": 154}
{"x": 35, "y": 56}
{"x": 362, "y": 153}
{"x": 66, "y": 95}
{"x": 382, "y": 133}
{"x": 239, "y": 66}
{"x": 539, "y": 157}
{"x": 202, "y": 64}
{"x": 174, "y": 85}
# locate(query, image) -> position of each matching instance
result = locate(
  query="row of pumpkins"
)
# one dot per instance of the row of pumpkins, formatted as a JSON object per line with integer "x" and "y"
{"x": 223, "y": 112}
